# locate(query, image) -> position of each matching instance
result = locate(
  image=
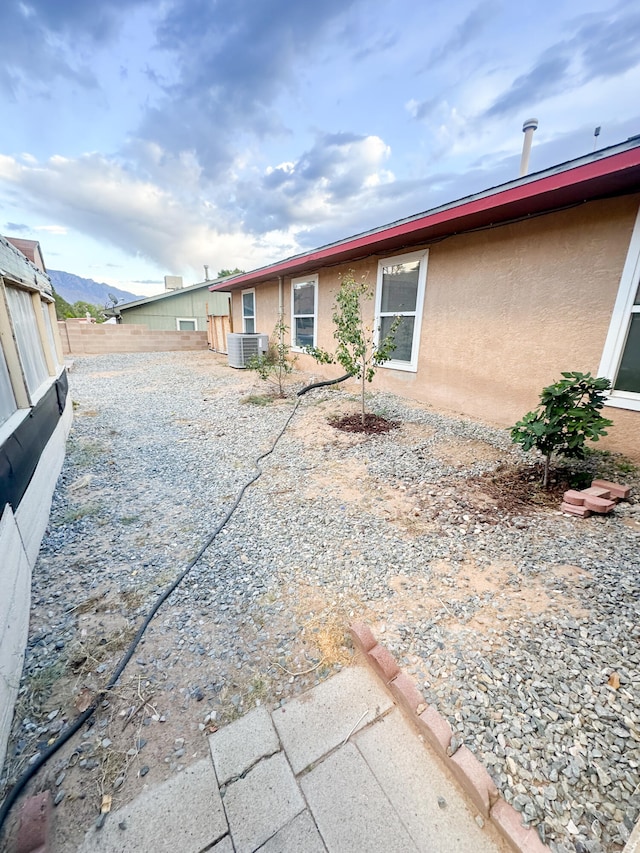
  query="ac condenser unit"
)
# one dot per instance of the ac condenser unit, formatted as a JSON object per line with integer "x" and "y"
{"x": 241, "y": 347}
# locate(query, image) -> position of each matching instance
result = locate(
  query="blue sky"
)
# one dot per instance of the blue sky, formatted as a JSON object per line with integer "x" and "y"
{"x": 149, "y": 138}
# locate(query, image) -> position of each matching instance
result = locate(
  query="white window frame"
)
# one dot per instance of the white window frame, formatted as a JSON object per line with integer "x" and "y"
{"x": 423, "y": 256}
{"x": 193, "y": 320}
{"x": 307, "y": 279}
{"x": 244, "y": 317}
{"x": 37, "y": 391}
{"x": 623, "y": 310}
{"x": 13, "y": 406}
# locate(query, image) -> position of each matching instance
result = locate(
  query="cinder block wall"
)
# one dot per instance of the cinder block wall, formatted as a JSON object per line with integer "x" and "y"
{"x": 82, "y": 338}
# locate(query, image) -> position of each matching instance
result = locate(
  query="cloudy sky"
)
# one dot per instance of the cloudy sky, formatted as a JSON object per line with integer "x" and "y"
{"x": 149, "y": 137}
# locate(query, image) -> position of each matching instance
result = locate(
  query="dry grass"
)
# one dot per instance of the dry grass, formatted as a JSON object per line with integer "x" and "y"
{"x": 329, "y": 632}
{"x": 86, "y": 653}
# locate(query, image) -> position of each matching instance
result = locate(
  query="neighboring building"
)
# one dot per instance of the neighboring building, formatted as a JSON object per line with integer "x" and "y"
{"x": 183, "y": 309}
{"x": 498, "y": 293}
{"x": 35, "y": 418}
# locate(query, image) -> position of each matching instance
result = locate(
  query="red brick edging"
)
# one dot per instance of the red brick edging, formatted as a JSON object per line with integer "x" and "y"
{"x": 463, "y": 764}
{"x": 34, "y": 832}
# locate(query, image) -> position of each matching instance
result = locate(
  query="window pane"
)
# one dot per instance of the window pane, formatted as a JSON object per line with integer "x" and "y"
{"x": 248, "y": 309}
{"x": 628, "y": 378}
{"x": 47, "y": 323}
{"x": 249, "y": 325}
{"x": 304, "y": 332}
{"x": 303, "y": 298}
{"x": 400, "y": 287}
{"x": 7, "y": 400}
{"x": 187, "y": 326}
{"x": 403, "y": 338}
{"x": 27, "y": 337}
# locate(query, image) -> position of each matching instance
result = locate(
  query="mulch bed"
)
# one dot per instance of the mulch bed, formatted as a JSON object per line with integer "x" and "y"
{"x": 373, "y": 424}
{"x": 516, "y": 488}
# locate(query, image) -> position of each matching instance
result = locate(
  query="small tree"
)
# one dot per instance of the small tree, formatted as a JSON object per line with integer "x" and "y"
{"x": 277, "y": 362}
{"x": 357, "y": 350}
{"x": 568, "y": 415}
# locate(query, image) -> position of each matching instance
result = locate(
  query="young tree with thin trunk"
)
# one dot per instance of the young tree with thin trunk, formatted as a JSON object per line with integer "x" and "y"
{"x": 359, "y": 351}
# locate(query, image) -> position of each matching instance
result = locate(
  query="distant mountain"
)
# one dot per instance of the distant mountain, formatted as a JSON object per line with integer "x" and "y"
{"x": 74, "y": 288}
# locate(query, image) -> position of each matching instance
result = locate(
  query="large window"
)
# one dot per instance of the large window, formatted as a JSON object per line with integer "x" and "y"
{"x": 304, "y": 301}
{"x": 27, "y": 337}
{"x": 7, "y": 398}
{"x": 621, "y": 357}
{"x": 400, "y": 293}
{"x": 249, "y": 311}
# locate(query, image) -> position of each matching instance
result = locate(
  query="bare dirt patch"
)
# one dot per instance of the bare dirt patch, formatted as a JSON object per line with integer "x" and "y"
{"x": 461, "y": 452}
{"x": 482, "y": 598}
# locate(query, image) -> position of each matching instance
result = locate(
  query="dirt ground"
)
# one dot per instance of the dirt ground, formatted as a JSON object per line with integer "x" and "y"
{"x": 157, "y": 719}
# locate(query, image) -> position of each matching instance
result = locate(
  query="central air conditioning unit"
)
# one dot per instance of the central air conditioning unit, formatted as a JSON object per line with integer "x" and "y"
{"x": 242, "y": 347}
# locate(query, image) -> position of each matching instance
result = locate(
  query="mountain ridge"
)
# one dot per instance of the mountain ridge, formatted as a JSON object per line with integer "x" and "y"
{"x": 75, "y": 288}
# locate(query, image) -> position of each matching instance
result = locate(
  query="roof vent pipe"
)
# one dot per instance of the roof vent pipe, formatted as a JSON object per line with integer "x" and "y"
{"x": 206, "y": 272}
{"x": 527, "y": 128}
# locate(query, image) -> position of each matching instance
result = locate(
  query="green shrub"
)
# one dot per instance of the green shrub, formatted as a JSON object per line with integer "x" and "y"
{"x": 567, "y": 416}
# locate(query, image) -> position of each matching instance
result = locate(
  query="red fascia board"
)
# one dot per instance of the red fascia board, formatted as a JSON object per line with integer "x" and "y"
{"x": 569, "y": 186}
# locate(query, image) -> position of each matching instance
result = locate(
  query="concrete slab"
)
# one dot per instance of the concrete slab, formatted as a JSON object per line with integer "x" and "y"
{"x": 350, "y": 808}
{"x": 413, "y": 780}
{"x": 633, "y": 844}
{"x": 225, "y": 845}
{"x": 261, "y": 803}
{"x": 299, "y": 836}
{"x": 313, "y": 724}
{"x": 238, "y": 746}
{"x": 185, "y": 813}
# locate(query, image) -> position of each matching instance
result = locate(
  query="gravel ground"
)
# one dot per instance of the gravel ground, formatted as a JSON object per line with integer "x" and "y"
{"x": 520, "y": 626}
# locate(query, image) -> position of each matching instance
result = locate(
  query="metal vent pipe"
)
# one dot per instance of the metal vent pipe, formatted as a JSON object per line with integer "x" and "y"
{"x": 527, "y": 128}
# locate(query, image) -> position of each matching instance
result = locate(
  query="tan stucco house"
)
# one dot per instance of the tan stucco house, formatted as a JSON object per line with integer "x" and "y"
{"x": 499, "y": 292}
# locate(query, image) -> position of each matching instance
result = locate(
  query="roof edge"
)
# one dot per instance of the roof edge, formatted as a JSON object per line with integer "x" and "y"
{"x": 585, "y": 169}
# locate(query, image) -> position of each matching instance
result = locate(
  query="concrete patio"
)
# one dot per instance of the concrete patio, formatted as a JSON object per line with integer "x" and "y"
{"x": 337, "y": 769}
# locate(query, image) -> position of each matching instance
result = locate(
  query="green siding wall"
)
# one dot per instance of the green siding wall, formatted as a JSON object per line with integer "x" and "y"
{"x": 161, "y": 314}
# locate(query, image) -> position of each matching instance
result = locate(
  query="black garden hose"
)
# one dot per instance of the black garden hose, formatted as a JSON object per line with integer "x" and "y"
{"x": 74, "y": 727}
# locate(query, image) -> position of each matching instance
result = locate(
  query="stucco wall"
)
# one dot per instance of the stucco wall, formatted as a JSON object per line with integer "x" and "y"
{"x": 82, "y": 338}
{"x": 506, "y": 311}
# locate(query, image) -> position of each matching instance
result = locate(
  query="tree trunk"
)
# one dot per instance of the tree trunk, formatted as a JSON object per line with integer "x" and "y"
{"x": 545, "y": 479}
{"x": 362, "y": 414}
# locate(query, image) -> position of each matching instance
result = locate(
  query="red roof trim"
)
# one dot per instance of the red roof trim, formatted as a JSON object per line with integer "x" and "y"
{"x": 537, "y": 189}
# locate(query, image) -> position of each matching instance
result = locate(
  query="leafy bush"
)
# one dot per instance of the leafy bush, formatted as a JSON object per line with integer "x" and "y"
{"x": 567, "y": 416}
{"x": 357, "y": 350}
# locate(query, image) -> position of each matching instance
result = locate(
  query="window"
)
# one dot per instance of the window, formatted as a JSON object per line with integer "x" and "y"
{"x": 621, "y": 357}
{"x": 8, "y": 403}
{"x": 249, "y": 311}
{"x": 400, "y": 293}
{"x": 186, "y": 324}
{"x": 304, "y": 299}
{"x": 47, "y": 324}
{"x": 28, "y": 341}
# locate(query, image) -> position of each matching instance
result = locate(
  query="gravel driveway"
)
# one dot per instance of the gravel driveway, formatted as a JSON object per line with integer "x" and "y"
{"x": 521, "y": 626}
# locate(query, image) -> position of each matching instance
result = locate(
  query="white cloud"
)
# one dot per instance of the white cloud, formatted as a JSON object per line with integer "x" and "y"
{"x": 99, "y": 197}
{"x": 52, "y": 229}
